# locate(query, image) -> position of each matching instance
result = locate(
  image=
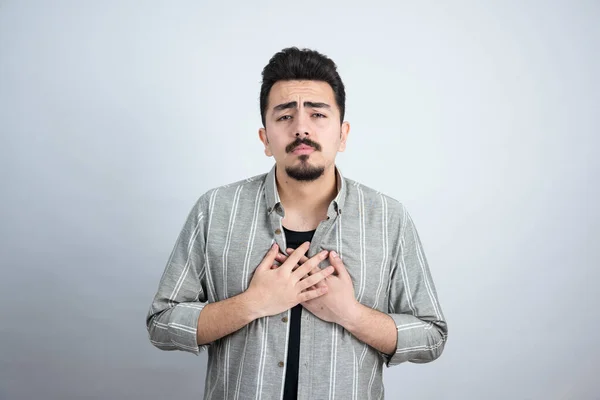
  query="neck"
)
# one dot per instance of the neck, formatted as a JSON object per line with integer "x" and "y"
{"x": 307, "y": 198}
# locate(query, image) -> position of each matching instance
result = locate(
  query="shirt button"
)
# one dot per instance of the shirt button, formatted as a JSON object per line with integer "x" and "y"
{"x": 284, "y": 319}
{"x": 280, "y": 363}
{"x": 278, "y": 231}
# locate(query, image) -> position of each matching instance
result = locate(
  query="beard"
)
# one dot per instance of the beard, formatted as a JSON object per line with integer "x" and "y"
{"x": 305, "y": 172}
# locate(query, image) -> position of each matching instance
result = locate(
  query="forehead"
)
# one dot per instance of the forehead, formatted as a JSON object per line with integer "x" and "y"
{"x": 286, "y": 91}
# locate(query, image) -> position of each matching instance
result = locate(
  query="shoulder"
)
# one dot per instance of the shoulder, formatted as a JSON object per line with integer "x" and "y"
{"x": 375, "y": 206}
{"x": 358, "y": 192}
{"x": 227, "y": 194}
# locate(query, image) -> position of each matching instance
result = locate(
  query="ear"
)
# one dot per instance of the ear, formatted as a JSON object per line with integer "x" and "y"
{"x": 262, "y": 134}
{"x": 345, "y": 131}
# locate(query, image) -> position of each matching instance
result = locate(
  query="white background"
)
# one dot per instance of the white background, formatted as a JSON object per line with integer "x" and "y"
{"x": 481, "y": 117}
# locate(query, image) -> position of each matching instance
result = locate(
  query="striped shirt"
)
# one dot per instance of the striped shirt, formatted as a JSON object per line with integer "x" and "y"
{"x": 227, "y": 234}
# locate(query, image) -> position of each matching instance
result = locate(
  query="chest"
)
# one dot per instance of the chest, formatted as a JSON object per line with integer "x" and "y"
{"x": 301, "y": 223}
{"x": 233, "y": 253}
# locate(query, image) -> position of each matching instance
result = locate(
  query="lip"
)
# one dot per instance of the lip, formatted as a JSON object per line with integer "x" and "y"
{"x": 303, "y": 149}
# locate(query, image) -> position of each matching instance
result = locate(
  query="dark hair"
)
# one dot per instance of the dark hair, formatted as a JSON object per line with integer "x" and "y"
{"x": 295, "y": 64}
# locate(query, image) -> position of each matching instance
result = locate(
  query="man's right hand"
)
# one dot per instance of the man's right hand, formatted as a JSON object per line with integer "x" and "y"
{"x": 275, "y": 290}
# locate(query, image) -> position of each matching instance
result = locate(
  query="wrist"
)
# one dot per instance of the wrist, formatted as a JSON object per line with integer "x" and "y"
{"x": 353, "y": 316}
{"x": 251, "y": 302}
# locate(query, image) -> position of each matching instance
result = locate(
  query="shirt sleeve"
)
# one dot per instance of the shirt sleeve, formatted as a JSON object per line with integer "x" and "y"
{"x": 172, "y": 320}
{"x": 413, "y": 302}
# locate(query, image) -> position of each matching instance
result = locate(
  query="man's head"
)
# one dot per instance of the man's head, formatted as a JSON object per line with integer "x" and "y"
{"x": 302, "y": 102}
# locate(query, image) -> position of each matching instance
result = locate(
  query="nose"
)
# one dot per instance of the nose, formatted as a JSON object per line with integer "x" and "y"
{"x": 302, "y": 127}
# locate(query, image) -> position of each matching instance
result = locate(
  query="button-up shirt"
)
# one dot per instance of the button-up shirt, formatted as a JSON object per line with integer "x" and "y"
{"x": 225, "y": 237}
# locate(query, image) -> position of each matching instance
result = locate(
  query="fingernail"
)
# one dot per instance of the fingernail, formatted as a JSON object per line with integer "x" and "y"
{"x": 324, "y": 253}
{"x": 333, "y": 254}
{"x": 274, "y": 246}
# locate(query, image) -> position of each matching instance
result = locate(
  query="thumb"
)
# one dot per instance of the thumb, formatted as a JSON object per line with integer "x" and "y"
{"x": 269, "y": 259}
{"x": 336, "y": 261}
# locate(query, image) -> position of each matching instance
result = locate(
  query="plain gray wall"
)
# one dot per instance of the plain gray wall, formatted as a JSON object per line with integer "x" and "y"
{"x": 481, "y": 117}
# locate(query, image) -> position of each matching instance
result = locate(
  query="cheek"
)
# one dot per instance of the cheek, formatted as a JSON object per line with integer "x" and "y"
{"x": 278, "y": 145}
{"x": 274, "y": 137}
{"x": 333, "y": 139}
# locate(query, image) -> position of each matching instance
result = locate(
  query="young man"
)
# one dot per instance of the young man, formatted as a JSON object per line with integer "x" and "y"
{"x": 321, "y": 320}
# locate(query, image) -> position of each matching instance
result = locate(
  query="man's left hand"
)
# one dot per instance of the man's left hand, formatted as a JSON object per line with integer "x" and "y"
{"x": 338, "y": 305}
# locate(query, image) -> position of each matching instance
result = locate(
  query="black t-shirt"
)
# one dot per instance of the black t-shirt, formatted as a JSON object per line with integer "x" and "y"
{"x": 290, "y": 390}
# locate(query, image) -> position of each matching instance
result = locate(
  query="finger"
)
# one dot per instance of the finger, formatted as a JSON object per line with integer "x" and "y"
{"x": 314, "y": 279}
{"x": 294, "y": 258}
{"x": 302, "y": 260}
{"x": 280, "y": 258}
{"x": 316, "y": 270}
{"x": 312, "y": 294}
{"x": 313, "y": 262}
{"x": 337, "y": 263}
{"x": 269, "y": 258}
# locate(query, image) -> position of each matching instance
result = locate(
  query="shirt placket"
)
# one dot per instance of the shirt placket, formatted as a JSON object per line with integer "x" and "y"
{"x": 307, "y": 367}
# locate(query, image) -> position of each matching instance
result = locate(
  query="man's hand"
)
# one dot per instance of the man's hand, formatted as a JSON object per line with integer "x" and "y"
{"x": 274, "y": 290}
{"x": 339, "y": 304}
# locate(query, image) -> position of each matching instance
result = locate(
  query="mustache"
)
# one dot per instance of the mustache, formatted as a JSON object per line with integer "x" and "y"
{"x": 306, "y": 141}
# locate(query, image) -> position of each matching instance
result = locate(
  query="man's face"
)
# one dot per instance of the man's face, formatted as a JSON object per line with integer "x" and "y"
{"x": 302, "y": 128}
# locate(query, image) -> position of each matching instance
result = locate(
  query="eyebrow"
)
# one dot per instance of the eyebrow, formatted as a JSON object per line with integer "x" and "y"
{"x": 294, "y": 104}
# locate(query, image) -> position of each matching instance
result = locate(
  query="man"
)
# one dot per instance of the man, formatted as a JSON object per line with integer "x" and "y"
{"x": 300, "y": 283}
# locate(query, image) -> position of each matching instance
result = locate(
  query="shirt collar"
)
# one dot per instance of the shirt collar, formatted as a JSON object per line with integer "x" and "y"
{"x": 273, "y": 200}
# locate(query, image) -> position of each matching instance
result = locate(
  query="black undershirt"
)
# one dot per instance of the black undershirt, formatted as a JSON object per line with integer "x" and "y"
{"x": 293, "y": 240}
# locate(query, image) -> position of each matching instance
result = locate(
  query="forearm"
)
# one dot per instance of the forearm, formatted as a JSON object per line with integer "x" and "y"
{"x": 421, "y": 338}
{"x": 174, "y": 327}
{"x": 225, "y": 317}
{"x": 413, "y": 304}
{"x": 372, "y": 327}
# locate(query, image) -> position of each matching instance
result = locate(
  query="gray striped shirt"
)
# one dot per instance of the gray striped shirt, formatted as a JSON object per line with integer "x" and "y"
{"x": 226, "y": 236}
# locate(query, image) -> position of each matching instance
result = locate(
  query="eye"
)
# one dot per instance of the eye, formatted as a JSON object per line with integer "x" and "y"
{"x": 319, "y": 115}
{"x": 284, "y": 118}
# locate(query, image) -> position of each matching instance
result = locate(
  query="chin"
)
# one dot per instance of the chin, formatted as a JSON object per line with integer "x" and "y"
{"x": 305, "y": 172}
